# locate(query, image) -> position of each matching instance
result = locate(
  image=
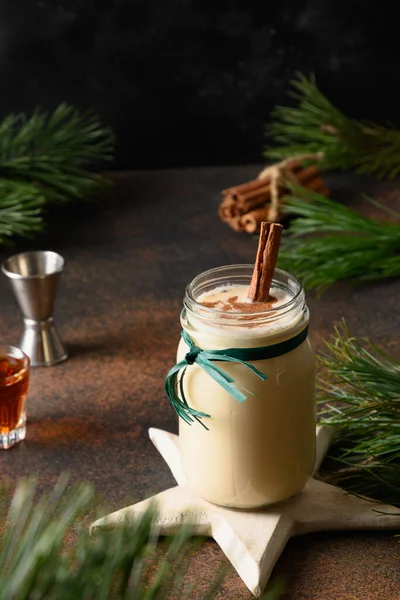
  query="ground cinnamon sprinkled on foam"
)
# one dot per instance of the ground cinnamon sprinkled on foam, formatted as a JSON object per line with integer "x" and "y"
{"x": 232, "y": 305}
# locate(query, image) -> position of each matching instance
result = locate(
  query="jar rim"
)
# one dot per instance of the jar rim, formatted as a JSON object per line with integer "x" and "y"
{"x": 189, "y": 292}
{"x": 213, "y": 278}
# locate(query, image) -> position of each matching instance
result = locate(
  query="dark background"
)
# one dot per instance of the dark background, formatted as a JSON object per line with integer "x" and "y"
{"x": 192, "y": 82}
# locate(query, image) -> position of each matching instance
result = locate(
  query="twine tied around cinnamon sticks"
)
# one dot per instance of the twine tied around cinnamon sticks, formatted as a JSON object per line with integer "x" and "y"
{"x": 246, "y": 206}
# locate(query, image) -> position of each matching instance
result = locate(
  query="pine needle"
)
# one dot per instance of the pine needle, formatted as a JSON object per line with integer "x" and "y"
{"x": 330, "y": 242}
{"x": 46, "y": 159}
{"x": 314, "y": 124}
{"x": 359, "y": 390}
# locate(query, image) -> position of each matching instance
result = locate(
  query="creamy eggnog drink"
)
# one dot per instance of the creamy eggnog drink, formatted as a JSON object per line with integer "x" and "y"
{"x": 261, "y": 450}
{"x": 243, "y": 385}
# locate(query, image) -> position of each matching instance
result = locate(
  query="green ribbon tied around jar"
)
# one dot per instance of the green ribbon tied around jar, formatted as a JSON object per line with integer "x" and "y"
{"x": 205, "y": 359}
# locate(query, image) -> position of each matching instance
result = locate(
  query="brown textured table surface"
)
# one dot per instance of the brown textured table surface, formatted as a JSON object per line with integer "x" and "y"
{"x": 127, "y": 264}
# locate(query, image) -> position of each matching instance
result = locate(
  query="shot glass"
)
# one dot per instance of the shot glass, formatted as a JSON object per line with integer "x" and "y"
{"x": 14, "y": 381}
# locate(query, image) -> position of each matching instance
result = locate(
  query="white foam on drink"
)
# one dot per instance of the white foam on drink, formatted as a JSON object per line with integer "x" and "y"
{"x": 223, "y": 293}
{"x": 230, "y": 301}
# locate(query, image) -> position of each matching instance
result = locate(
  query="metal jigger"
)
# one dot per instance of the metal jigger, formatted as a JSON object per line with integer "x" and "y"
{"x": 34, "y": 278}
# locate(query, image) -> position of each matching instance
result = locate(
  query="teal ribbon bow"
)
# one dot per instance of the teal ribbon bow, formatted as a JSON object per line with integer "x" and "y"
{"x": 205, "y": 359}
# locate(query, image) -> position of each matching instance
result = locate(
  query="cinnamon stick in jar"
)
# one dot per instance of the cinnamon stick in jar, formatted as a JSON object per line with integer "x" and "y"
{"x": 264, "y": 267}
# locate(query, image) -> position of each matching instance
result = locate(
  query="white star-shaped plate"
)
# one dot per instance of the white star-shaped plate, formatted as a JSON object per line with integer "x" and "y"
{"x": 253, "y": 540}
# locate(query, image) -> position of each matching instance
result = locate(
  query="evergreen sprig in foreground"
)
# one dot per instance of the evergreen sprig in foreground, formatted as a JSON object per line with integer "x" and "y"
{"x": 45, "y": 159}
{"x": 329, "y": 242}
{"x": 37, "y": 561}
{"x": 47, "y": 553}
{"x": 359, "y": 390}
{"x": 315, "y": 125}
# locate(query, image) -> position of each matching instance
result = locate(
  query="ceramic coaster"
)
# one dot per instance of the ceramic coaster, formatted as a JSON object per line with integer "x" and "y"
{"x": 253, "y": 540}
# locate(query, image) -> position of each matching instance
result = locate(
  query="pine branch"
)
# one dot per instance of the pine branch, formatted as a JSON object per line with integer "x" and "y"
{"x": 46, "y": 552}
{"x": 36, "y": 561}
{"x": 331, "y": 242}
{"x": 359, "y": 390}
{"x": 316, "y": 125}
{"x": 53, "y": 151}
{"x": 46, "y": 159}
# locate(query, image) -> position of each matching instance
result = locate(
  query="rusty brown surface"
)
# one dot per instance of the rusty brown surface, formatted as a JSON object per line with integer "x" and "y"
{"x": 127, "y": 264}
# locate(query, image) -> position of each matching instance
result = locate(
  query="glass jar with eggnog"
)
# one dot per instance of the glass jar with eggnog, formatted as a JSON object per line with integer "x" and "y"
{"x": 257, "y": 446}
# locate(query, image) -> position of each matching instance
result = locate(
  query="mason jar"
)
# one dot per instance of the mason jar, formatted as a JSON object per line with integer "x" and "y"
{"x": 262, "y": 450}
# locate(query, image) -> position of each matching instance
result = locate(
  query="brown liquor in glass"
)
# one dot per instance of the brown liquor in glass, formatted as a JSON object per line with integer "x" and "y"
{"x": 14, "y": 380}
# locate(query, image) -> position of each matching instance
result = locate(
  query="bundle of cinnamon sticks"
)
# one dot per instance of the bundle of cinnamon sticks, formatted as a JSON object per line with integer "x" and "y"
{"x": 244, "y": 207}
